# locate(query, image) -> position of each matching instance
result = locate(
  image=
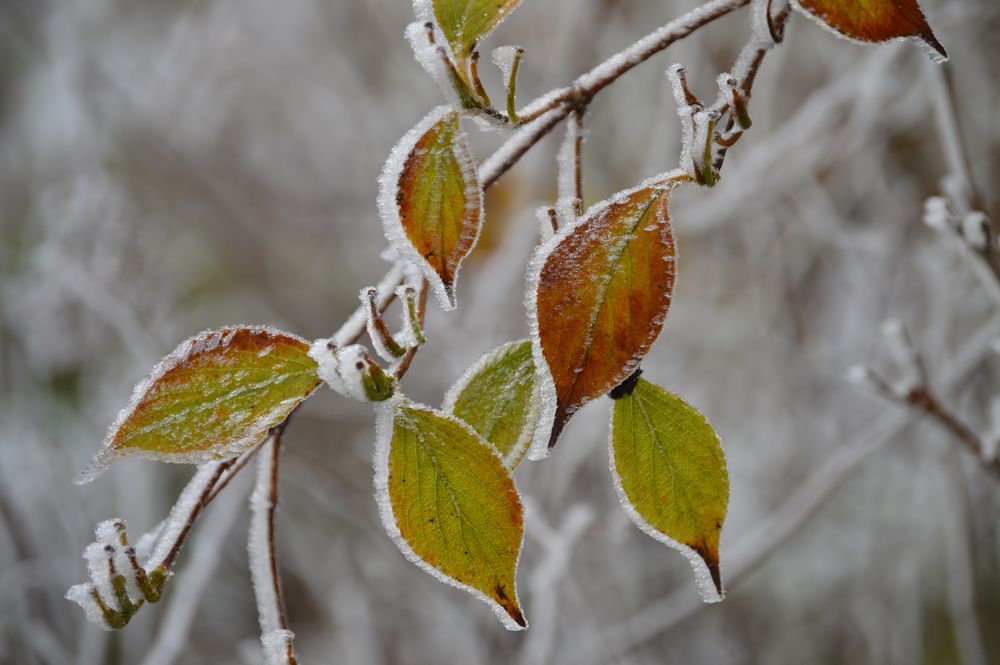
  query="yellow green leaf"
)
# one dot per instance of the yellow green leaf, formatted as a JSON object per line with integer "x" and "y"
{"x": 497, "y": 398}
{"x": 449, "y": 503}
{"x": 465, "y": 22}
{"x": 430, "y": 200}
{"x": 214, "y": 397}
{"x": 875, "y": 21}
{"x": 670, "y": 473}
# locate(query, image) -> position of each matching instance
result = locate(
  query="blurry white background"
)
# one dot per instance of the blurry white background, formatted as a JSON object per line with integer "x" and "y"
{"x": 167, "y": 167}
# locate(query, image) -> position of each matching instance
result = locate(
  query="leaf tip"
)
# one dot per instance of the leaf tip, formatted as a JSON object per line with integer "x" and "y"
{"x": 511, "y": 608}
{"x": 710, "y": 556}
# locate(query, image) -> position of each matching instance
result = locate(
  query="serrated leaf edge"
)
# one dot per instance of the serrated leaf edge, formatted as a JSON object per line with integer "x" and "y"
{"x": 517, "y": 452}
{"x": 385, "y": 415}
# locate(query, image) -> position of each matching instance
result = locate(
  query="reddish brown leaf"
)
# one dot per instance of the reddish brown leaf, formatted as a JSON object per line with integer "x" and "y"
{"x": 874, "y": 20}
{"x": 599, "y": 295}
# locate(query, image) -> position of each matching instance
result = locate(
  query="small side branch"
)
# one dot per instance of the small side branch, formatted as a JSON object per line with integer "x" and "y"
{"x": 913, "y": 390}
{"x": 274, "y": 632}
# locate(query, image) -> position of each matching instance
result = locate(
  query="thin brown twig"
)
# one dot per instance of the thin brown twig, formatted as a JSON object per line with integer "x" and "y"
{"x": 411, "y": 352}
{"x": 272, "y": 551}
{"x": 175, "y": 549}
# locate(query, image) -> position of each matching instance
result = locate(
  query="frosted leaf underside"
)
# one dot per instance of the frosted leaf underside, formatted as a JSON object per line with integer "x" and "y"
{"x": 497, "y": 398}
{"x": 601, "y": 297}
{"x": 215, "y": 396}
{"x": 875, "y": 20}
{"x": 451, "y": 504}
{"x": 670, "y": 473}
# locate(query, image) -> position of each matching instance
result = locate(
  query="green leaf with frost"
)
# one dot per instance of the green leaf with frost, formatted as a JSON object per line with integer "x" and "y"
{"x": 497, "y": 398}
{"x": 217, "y": 395}
{"x": 449, "y": 503}
{"x": 670, "y": 473}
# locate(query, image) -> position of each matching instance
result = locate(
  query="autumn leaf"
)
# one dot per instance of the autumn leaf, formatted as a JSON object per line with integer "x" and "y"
{"x": 465, "y": 22}
{"x": 430, "y": 200}
{"x": 449, "y": 503}
{"x": 671, "y": 477}
{"x": 498, "y": 399}
{"x": 214, "y": 397}
{"x": 598, "y": 294}
{"x": 875, "y": 21}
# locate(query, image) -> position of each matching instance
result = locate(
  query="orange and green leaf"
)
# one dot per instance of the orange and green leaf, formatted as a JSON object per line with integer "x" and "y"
{"x": 875, "y": 20}
{"x": 599, "y": 293}
{"x": 214, "y": 397}
{"x": 431, "y": 201}
{"x": 449, "y": 503}
{"x": 670, "y": 473}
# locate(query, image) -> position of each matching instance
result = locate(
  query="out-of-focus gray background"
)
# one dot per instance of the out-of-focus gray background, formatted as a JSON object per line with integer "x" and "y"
{"x": 167, "y": 167}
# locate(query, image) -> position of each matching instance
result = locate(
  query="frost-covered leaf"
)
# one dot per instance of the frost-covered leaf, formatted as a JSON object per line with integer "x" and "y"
{"x": 671, "y": 477}
{"x": 430, "y": 200}
{"x": 876, "y": 21}
{"x": 597, "y": 297}
{"x": 465, "y": 22}
{"x": 449, "y": 503}
{"x": 498, "y": 399}
{"x": 215, "y": 396}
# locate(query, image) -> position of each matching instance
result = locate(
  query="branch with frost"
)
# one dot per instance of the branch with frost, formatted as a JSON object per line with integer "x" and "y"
{"x": 957, "y": 213}
{"x": 275, "y": 636}
{"x": 772, "y": 532}
{"x": 912, "y": 389}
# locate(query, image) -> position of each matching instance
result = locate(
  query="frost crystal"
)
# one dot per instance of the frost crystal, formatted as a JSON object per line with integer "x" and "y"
{"x": 342, "y": 369}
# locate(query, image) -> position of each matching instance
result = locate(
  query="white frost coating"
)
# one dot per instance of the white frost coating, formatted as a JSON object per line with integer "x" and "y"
{"x": 504, "y": 58}
{"x": 407, "y": 336}
{"x": 926, "y": 47}
{"x": 862, "y": 377}
{"x": 385, "y": 413}
{"x": 180, "y": 514}
{"x": 518, "y": 143}
{"x": 543, "y": 376}
{"x": 97, "y": 566}
{"x": 702, "y": 575}
{"x": 544, "y": 216}
{"x": 976, "y": 230}
{"x": 203, "y": 342}
{"x": 936, "y": 213}
{"x": 259, "y": 550}
{"x": 354, "y": 326}
{"x": 633, "y": 55}
{"x": 531, "y": 418}
{"x": 341, "y": 369}
{"x": 567, "y": 167}
{"x": 83, "y": 595}
{"x": 276, "y": 645}
{"x": 389, "y": 208}
{"x": 373, "y": 332}
{"x": 433, "y": 58}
